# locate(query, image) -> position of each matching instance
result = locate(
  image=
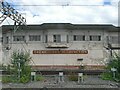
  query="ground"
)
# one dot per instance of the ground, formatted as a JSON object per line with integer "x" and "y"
{"x": 52, "y": 82}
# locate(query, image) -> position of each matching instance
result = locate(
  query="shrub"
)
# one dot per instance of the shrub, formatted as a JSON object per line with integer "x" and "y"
{"x": 73, "y": 77}
{"x": 107, "y": 76}
{"x": 114, "y": 63}
{"x": 39, "y": 78}
{"x": 117, "y": 77}
{"x": 10, "y": 79}
{"x": 2, "y": 67}
{"x": 24, "y": 79}
{"x": 6, "y": 79}
{"x": 20, "y": 61}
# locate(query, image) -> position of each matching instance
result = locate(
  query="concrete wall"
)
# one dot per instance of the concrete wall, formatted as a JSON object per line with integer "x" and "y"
{"x": 0, "y": 45}
{"x": 97, "y": 54}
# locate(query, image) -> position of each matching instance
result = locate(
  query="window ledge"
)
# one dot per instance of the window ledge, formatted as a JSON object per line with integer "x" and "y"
{"x": 57, "y": 45}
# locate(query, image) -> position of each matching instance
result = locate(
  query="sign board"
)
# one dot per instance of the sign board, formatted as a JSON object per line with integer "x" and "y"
{"x": 60, "y": 73}
{"x": 80, "y": 74}
{"x": 113, "y": 69}
{"x": 60, "y": 51}
{"x": 33, "y": 73}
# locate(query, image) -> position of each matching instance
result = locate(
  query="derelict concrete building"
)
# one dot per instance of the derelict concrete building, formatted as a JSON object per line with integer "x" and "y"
{"x": 61, "y": 45}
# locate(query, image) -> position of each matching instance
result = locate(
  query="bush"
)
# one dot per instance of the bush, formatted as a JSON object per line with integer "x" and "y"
{"x": 117, "y": 77}
{"x": 114, "y": 63}
{"x": 24, "y": 79}
{"x": 9, "y": 79}
{"x": 73, "y": 77}
{"x": 3, "y": 67}
{"x": 6, "y": 79}
{"x": 107, "y": 76}
{"x": 20, "y": 61}
{"x": 39, "y": 78}
{"x": 26, "y": 70}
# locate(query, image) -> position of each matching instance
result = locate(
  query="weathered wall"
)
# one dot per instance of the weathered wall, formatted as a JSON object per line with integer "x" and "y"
{"x": 0, "y": 45}
{"x": 97, "y": 54}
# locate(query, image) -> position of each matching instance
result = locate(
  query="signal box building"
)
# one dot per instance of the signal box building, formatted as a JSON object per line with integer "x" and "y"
{"x": 61, "y": 45}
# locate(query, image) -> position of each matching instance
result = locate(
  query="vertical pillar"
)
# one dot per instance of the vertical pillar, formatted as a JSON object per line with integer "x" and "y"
{"x": 80, "y": 77}
{"x": 61, "y": 78}
{"x": 114, "y": 71}
{"x": 33, "y": 76}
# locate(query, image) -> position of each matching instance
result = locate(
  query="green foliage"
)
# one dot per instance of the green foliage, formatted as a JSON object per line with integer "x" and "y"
{"x": 73, "y": 77}
{"x": 24, "y": 79}
{"x": 118, "y": 63}
{"x": 107, "y": 76}
{"x": 15, "y": 79}
{"x": 39, "y": 78}
{"x": 6, "y": 79}
{"x": 117, "y": 77}
{"x": 20, "y": 66}
{"x": 20, "y": 57}
{"x": 114, "y": 63}
{"x": 26, "y": 70}
{"x": 3, "y": 67}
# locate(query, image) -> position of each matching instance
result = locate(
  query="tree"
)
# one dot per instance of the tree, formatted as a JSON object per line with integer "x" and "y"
{"x": 20, "y": 65}
{"x": 114, "y": 63}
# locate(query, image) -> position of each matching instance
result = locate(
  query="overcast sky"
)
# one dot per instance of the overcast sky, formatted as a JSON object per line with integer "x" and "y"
{"x": 67, "y": 11}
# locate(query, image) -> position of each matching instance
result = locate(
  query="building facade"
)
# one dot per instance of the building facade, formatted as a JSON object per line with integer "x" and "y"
{"x": 61, "y": 45}
{"x": 1, "y": 45}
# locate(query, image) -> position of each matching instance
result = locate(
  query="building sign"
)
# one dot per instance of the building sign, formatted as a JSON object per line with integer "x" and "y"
{"x": 60, "y": 51}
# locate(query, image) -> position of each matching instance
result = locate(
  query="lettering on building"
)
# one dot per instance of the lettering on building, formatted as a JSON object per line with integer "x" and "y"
{"x": 60, "y": 51}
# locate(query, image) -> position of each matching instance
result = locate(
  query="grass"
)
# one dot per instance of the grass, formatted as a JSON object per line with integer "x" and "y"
{"x": 14, "y": 79}
{"x": 106, "y": 76}
{"x": 39, "y": 78}
{"x": 73, "y": 77}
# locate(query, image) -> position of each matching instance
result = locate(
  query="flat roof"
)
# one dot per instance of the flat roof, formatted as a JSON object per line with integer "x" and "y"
{"x": 68, "y": 26}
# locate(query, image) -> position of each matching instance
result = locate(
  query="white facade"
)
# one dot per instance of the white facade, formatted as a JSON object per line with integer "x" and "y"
{"x": 93, "y": 38}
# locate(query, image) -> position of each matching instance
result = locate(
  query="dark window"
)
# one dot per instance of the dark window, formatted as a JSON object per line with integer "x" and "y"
{"x": 79, "y": 37}
{"x": 67, "y": 38}
{"x": 18, "y": 38}
{"x": 46, "y": 38}
{"x": 99, "y": 38}
{"x": 34, "y": 38}
{"x": 7, "y": 40}
{"x": 95, "y": 38}
{"x": 57, "y": 38}
{"x": 1, "y": 39}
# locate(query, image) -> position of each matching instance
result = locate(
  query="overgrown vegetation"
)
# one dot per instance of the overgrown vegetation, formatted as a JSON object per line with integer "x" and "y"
{"x": 19, "y": 68}
{"x": 39, "y": 78}
{"x": 114, "y": 63}
{"x": 72, "y": 76}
